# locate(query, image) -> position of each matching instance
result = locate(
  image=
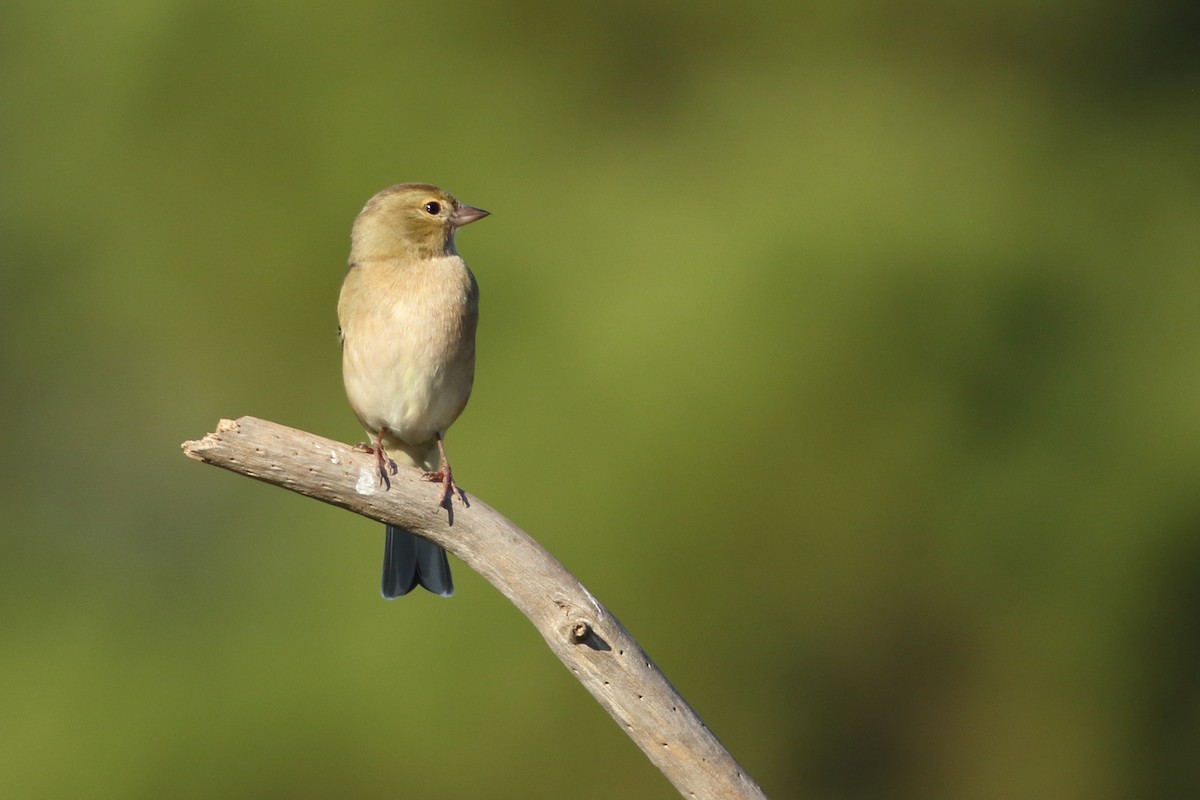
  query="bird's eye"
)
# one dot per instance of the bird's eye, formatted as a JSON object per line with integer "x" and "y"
{"x": 433, "y": 207}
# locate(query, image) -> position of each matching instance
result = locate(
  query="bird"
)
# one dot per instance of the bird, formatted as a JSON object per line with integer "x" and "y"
{"x": 407, "y": 315}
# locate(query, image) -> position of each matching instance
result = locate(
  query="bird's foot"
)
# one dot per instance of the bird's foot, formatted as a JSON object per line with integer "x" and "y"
{"x": 446, "y": 478}
{"x": 449, "y": 488}
{"x": 384, "y": 465}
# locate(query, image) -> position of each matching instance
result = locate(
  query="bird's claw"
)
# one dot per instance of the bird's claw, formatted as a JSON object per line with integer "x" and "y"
{"x": 383, "y": 465}
{"x": 449, "y": 488}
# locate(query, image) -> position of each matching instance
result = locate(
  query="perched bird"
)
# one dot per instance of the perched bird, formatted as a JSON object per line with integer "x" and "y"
{"x": 407, "y": 315}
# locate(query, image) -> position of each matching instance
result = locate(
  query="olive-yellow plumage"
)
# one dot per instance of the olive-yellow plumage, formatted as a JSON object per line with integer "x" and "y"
{"x": 407, "y": 312}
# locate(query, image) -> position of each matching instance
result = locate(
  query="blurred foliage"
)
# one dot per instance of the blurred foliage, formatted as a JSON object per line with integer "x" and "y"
{"x": 849, "y": 352}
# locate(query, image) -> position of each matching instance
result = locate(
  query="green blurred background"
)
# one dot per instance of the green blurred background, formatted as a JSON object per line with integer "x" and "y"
{"x": 848, "y": 352}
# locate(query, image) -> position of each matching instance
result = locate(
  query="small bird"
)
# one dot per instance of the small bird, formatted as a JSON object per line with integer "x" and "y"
{"x": 407, "y": 315}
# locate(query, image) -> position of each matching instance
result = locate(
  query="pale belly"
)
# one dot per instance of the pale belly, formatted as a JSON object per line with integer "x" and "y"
{"x": 406, "y": 390}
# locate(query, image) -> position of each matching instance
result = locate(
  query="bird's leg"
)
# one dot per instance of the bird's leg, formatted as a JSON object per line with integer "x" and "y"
{"x": 384, "y": 465}
{"x": 446, "y": 478}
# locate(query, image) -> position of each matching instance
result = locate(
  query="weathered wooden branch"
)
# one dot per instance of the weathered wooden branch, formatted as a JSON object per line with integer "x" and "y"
{"x": 592, "y": 644}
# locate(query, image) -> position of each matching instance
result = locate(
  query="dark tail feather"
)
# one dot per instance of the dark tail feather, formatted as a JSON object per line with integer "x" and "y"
{"x": 433, "y": 568}
{"x": 410, "y": 561}
{"x": 399, "y": 563}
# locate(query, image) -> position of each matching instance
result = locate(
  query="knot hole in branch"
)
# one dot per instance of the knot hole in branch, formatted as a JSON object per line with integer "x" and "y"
{"x": 583, "y": 633}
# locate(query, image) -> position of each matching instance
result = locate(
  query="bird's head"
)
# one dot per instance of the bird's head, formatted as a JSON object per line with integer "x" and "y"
{"x": 409, "y": 220}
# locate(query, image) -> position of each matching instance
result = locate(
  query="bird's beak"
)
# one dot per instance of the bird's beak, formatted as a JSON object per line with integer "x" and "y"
{"x": 465, "y": 215}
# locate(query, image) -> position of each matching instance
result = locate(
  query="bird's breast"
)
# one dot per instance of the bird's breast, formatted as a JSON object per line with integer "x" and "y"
{"x": 408, "y": 344}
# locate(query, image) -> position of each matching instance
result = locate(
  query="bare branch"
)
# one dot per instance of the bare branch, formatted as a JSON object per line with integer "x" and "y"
{"x": 592, "y": 644}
